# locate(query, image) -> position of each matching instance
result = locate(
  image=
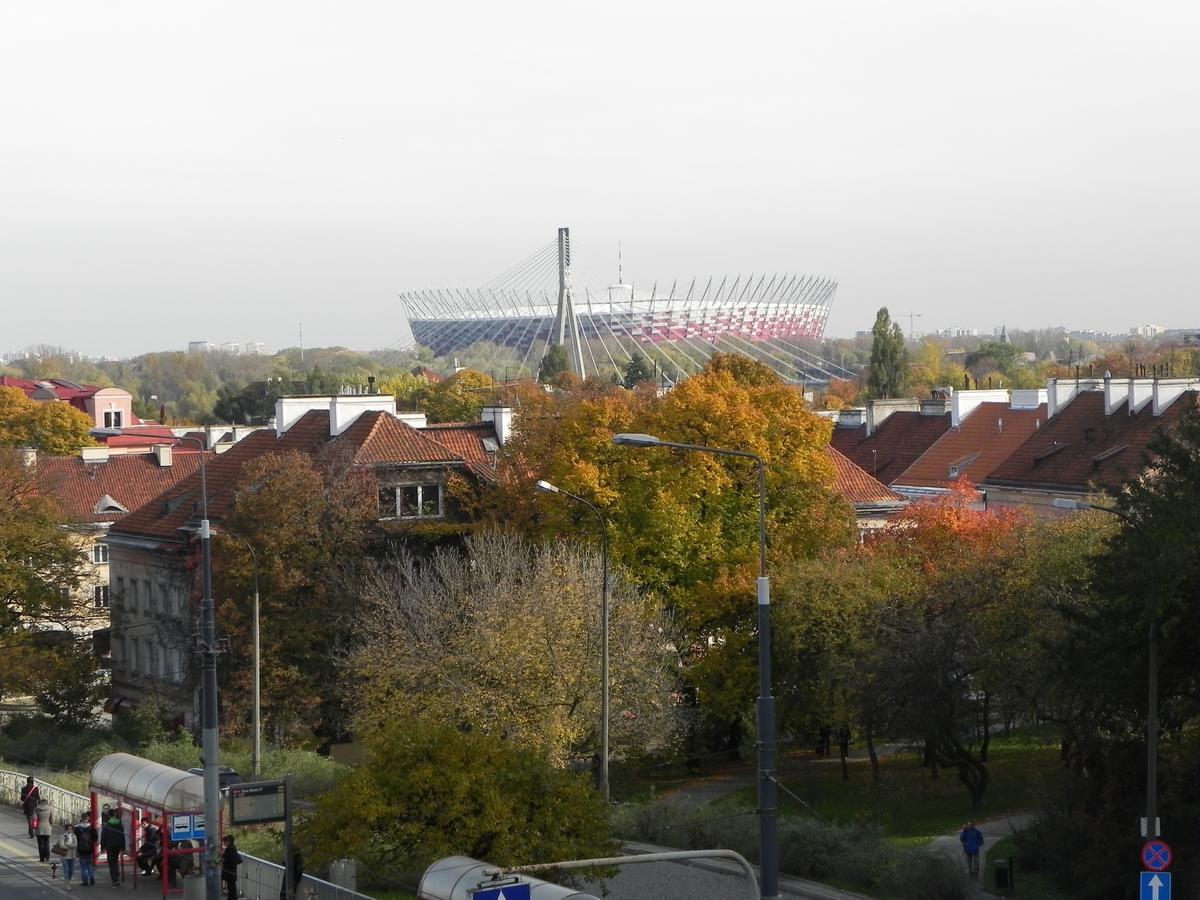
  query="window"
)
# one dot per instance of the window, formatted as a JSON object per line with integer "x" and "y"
{"x": 119, "y": 599}
{"x": 112, "y": 418}
{"x": 133, "y": 594}
{"x": 101, "y": 596}
{"x": 149, "y": 596}
{"x": 133, "y": 656}
{"x": 411, "y": 501}
{"x": 99, "y": 553}
{"x": 164, "y": 598}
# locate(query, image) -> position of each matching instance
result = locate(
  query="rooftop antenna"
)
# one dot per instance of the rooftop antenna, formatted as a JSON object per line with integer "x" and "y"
{"x": 620, "y": 280}
{"x": 301, "y": 342}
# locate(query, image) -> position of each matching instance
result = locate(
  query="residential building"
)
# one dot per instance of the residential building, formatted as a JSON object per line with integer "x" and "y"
{"x": 152, "y": 551}
{"x": 874, "y": 503}
{"x": 888, "y": 436}
{"x": 94, "y": 489}
{"x": 1095, "y": 437}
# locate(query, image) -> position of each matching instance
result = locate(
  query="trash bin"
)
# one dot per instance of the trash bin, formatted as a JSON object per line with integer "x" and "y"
{"x": 1003, "y": 874}
{"x": 193, "y": 887}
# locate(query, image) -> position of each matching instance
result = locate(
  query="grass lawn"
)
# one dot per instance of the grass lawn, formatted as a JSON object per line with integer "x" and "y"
{"x": 913, "y": 807}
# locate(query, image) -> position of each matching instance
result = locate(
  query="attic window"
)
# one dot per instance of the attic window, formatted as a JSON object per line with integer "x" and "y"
{"x": 491, "y": 445}
{"x": 107, "y": 505}
{"x": 1109, "y": 454}
{"x": 411, "y": 501}
{"x": 1049, "y": 452}
{"x": 959, "y": 465}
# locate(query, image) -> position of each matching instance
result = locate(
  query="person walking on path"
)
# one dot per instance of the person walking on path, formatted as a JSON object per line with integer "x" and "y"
{"x": 66, "y": 848}
{"x": 44, "y": 828}
{"x": 972, "y": 841}
{"x": 85, "y": 847}
{"x": 230, "y": 860}
{"x": 112, "y": 842}
{"x": 29, "y": 799}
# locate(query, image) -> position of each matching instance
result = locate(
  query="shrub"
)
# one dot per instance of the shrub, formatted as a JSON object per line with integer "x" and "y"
{"x": 858, "y": 855}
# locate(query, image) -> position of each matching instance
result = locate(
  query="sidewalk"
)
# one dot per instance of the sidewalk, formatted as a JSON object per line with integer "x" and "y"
{"x": 19, "y": 851}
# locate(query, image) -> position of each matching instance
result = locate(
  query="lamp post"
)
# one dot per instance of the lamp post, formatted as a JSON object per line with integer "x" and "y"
{"x": 208, "y": 706}
{"x": 768, "y": 812}
{"x": 256, "y": 713}
{"x": 547, "y": 488}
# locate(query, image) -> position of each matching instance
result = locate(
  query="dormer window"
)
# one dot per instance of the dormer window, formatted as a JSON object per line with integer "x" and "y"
{"x": 106, "y": 505}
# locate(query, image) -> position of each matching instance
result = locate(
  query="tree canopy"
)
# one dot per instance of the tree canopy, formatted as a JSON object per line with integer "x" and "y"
{"x": 888, "y": 370}
{"x": 427, "y": 791}
{"x": 51, "y": 427}
{"x": 504, "y": 637}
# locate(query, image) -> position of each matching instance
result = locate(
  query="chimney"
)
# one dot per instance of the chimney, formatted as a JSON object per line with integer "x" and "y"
{"x": 94, "y": 454}
{"x": 999, "y": 426}
{"x": 162, "y": 453}
{"x": 28, "y": 457}
{"x": 502, "y": 418}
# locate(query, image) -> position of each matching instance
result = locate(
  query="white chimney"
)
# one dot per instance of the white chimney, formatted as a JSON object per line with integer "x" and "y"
{"x": 162, "y": 453}
{"x": 413, "y": 419}
{"x": 501, "y": 418}
{"x": 28, "y": 456}
{"x": 94, "y": 454}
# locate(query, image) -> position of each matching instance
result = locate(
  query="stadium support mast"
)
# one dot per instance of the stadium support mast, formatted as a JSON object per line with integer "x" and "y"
{"x": 566, "y": 323}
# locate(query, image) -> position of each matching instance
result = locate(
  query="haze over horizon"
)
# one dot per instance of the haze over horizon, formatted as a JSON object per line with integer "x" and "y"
{"x": 224, "y": 172}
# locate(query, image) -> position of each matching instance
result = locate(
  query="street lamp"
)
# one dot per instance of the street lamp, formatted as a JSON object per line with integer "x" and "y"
{"x": 768, "y": 812}
{"x": 547, "y": 488}
{"x": 256, "y": 722}
{"x": 208, "y": 707}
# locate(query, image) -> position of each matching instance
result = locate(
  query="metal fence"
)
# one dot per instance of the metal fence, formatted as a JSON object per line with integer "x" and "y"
{"x": 257, "y": 878}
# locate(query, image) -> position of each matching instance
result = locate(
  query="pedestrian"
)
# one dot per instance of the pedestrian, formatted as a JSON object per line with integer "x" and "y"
{"x": 150, "y": 852}
{"x": 112, "y": 842}
{"x": 66, "y": 848}
{"x": 29, "y": 798}
{"x": 44, "y": 828}
{"x": 972, "y": 840}
{"x": 85, "y": 847}
{"x": 230, "y": 860}
{"x": 297, "y": 868}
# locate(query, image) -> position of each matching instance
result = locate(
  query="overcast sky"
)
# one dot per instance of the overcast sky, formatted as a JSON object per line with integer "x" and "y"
{"x": 223, "y": 171}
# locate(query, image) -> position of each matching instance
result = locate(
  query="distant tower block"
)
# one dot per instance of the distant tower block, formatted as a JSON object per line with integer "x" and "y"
{"x": 507, "y": 325}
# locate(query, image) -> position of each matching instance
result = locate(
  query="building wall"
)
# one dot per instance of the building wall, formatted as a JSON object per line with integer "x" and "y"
{"x": 153, "y": 620}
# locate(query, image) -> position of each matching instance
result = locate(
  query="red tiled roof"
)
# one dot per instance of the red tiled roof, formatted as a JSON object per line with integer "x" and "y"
{"x": 895, "y": 445}
{"x": 1081, "y": 445}
{"x": 130, "y": 479}
{"x": 374, "y": 439}
{"x": 859, "y": 488}
{"x": 466, "y": 440}
{"x": 382, "y": 439}
{"x": 982, "y": 441}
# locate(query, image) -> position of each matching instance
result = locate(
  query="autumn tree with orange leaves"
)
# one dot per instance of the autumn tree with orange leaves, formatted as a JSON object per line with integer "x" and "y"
{"x": 685, "y": 525}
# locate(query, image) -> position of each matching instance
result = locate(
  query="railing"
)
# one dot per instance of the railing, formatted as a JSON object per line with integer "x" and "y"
{"x": 257, "y": 878}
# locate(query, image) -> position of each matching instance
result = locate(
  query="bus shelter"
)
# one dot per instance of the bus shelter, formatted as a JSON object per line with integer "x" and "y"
{"x": 170, "y": 798}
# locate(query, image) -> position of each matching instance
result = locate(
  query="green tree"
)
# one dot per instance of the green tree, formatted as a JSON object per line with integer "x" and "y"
{"x": 555, "y": 362}
{"x": 637, "y": 371}
{"x": 41, "y": 568}
{"x": 467, "y": 638}
{"x": 66, "y": 687}
{"x": 889, "y": 358}
{"x": 460, "y": 398}
{"x": 308, "y": 521}
{"x": 428, "y": 791}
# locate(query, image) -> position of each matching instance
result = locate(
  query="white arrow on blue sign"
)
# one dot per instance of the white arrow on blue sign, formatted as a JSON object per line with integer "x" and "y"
{"x": 1156, "y": 886}
{"x": 521, "y": 892}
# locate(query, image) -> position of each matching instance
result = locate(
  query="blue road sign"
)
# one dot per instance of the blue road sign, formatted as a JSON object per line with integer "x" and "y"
{"x": 513, "y": 892}
{"x": 187, "y": 827}
{"x": 1155, "y": 886}
{"x": 1156, "y": 856}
